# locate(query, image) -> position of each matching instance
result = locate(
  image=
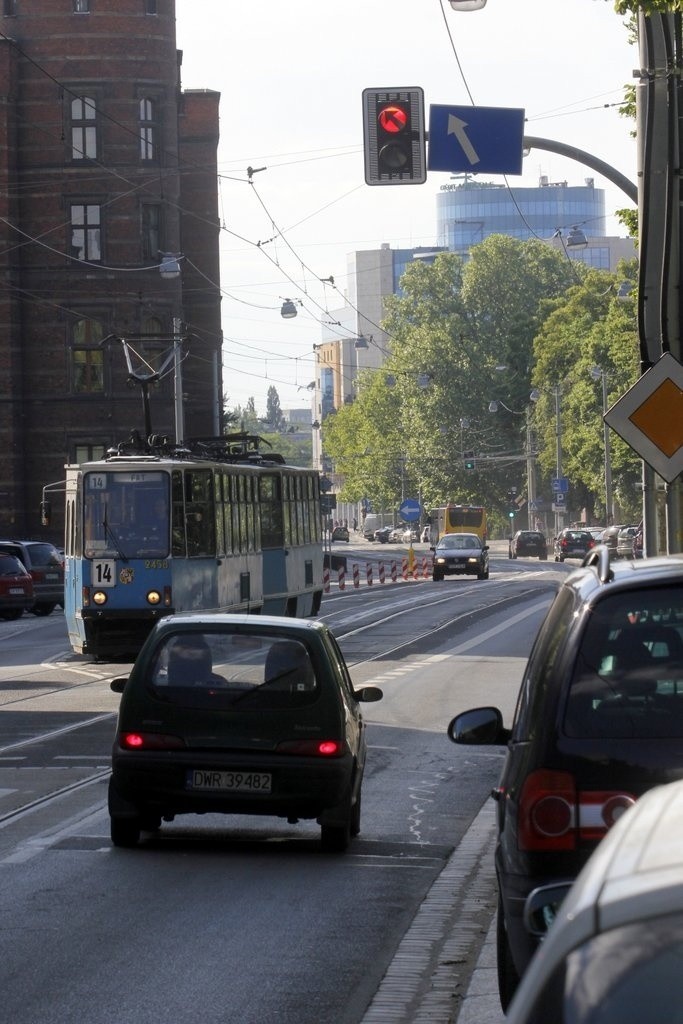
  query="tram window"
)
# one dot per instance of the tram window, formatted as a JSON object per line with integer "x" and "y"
{"x": 243, "y": 513}
{"x": 270, "y": 501}
{"x": 200, "y": 519}
{"x": 219, "y": 483}
{"x": 251, "y": 512}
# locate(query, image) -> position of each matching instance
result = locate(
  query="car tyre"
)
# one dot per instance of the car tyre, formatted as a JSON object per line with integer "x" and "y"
{"x": 125, "y": 832}
{"x": 43, "y": 608}
{"x": 355, "y": 816}
{"x": 437, "y": 577}
{"x": 483, "y": 575}
{"x": 335, "y": 838}
{"x": 12, "y": 613}
{"x": 508, "y": 978}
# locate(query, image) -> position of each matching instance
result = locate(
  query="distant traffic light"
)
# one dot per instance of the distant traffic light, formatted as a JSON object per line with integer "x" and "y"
{"x": 512, "y": 512}
{"x": 469, "y": 460}
{"x": 394, "y": 136}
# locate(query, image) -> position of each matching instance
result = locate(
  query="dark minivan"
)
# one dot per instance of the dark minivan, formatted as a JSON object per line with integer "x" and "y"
{"x": 599, "y": 720}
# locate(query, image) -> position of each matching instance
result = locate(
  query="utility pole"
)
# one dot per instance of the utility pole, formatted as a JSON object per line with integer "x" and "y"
{"x": 178, "y": 380}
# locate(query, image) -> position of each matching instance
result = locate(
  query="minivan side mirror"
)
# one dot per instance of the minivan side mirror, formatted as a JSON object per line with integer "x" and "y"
{"x": 118, "y": 685}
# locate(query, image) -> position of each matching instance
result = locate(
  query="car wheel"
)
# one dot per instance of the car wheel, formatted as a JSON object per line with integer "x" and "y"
{"x": 483, "y": 575}
{"x": 437, "y": 577}
{"x": 43, "y": 608}
{"x": 336, "y": 838}
{"x": 508, "y": 978}
{"x": 12, "y": 613}
{"x": 125, "y": 832}
{"x": 355, "y": 816}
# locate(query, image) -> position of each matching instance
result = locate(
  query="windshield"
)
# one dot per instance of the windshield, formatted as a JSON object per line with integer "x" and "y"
{"x": 126, "y": 514}
{"x": 459, "y": 542}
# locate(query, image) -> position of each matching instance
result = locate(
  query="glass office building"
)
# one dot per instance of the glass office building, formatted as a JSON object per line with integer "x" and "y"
{"x": 468, "y": 212}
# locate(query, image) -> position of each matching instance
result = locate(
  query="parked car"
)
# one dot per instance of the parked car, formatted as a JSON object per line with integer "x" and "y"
{"x": 610, "y": 537}
{"x": 459, "y": 554}
{"x": 16, "y": 588}
{"x": 340, "y": 533}
{"x": 596, "y": 533}
{"x": 638, "y": 541}
{"x": 383, "y": 534}
{"x": 239, "y": 714}
{"x": 46, "y": 568}
{"x": 613, "y": 952}
{"x": 572, "y": 544}
{"x": 599, "y": 720}
{"x": 625, "y": 540}
{"x": 528, "y": 543}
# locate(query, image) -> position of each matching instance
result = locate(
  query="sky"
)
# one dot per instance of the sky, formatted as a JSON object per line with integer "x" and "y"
{"x": 291, "y": 77}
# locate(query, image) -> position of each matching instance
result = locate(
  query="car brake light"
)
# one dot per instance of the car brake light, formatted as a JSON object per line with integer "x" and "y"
{"x": 312, "y": 748}
{"x": 150, "y": 741}
{"x": 553, "y": 816}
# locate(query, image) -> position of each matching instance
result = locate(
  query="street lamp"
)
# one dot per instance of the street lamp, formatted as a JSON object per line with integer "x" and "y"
{"x": 597, "y": 373}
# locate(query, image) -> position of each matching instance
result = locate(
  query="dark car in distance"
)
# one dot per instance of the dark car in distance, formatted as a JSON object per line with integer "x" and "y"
{"x": 16, "y": 588}
{"x": 46, "y": 568}
{"x": 460, "y": 554}
{"x": 239, "y": 714}
{"x": 528, "y": 543}
{"x": 573, "y": 544}
{"x": 599, "y": 720}
{"x": 340, "y": 533}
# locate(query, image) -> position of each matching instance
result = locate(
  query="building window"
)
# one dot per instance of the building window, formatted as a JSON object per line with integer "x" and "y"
{"x": 147, "y": 130}
{"x": 81, "y": 6}
{"x": 87, "y": 357}
{"x": 151, "y": 231}
{"x": 150, "y": 6}
{"x": 88, "y": 452}
{"x": 86, "y": 233}
{"x": 83, "y": 128}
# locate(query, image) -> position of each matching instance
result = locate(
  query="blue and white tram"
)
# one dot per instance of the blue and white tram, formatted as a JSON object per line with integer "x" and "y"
{"x": 209, "y": 527}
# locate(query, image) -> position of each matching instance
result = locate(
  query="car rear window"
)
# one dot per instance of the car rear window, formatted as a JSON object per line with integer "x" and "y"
{"x": 628, "y": 676}
{"x": 11, "y": 566}
{"x": 235, "y": 671}
{"x": 42, "y": 555}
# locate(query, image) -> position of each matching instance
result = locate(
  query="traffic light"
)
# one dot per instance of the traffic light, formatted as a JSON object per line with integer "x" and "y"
{"x": 394, "y": 136}
{"x": 512, "y": 512}
{"x": 469, "y": 460}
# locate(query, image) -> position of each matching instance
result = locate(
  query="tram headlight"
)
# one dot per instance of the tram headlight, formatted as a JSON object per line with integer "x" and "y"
{"x": 99, "y": 597}
{"x": 153, "y": 597}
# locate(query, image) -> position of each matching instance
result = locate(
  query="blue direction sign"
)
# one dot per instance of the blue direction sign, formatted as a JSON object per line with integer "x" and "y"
{"x": 409, "y": 510}
{"x": 482, "y": 139}
{"x": 561, "y": 484}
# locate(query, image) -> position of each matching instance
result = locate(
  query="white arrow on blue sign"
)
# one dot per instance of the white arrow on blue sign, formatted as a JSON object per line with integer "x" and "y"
{"x": 409, "y": 510}
{"x": 483, "y": 139}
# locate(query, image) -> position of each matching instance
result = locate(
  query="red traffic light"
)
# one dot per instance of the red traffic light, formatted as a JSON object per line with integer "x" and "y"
{"x": 393, "y": 119}
{"x": 395, "y": 141}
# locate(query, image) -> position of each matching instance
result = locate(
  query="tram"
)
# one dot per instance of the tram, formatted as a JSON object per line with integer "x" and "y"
{"x": 212, "y": 525}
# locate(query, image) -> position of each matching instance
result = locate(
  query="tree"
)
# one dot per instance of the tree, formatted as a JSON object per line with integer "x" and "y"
{"x": 274, "y": 416}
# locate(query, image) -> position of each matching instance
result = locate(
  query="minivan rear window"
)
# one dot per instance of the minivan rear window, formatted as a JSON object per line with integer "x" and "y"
{"x": 233, "y": 671}
{"x": 628, "y": 675}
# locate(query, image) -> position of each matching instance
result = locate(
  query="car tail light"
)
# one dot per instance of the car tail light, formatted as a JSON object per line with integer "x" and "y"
{"x": 312, "y": 748}
{"x": 150, "y": 741}
{"x": 554, "y": 816}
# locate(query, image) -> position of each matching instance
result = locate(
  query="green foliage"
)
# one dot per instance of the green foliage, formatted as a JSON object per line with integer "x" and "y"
{"x": 515, "y": 316}
{"x": 648, "y": 6}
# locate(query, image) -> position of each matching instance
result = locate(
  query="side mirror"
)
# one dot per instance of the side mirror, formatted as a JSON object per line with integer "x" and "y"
{"x": 541, "y": 907}
{"x": 118, "y": 685}
{"x": 368, "y": 694}
{"x": 479, "y": 727}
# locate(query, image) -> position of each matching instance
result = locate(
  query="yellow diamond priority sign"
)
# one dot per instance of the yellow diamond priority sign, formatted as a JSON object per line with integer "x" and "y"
{"x": 649, "y": 417}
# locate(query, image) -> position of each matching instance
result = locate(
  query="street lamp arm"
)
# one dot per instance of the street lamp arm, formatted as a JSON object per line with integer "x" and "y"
{"x": 580, "y": 155}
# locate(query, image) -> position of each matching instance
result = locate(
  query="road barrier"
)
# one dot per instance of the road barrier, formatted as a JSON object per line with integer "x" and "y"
{"x": 420, "y": 570}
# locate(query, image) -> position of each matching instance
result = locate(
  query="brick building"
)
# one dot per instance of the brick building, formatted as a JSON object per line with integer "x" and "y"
{"x": 105, "y": 165}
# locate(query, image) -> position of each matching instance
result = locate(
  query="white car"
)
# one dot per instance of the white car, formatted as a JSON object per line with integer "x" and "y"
{"x": 614, "y": 952}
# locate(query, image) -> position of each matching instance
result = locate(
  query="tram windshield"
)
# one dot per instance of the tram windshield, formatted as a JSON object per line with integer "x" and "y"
{"x": 126, "y": 514}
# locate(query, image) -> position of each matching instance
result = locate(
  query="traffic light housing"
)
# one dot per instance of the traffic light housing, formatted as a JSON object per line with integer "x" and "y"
{"x": 469, "y": 460}
{"x": 394, "y": 136}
